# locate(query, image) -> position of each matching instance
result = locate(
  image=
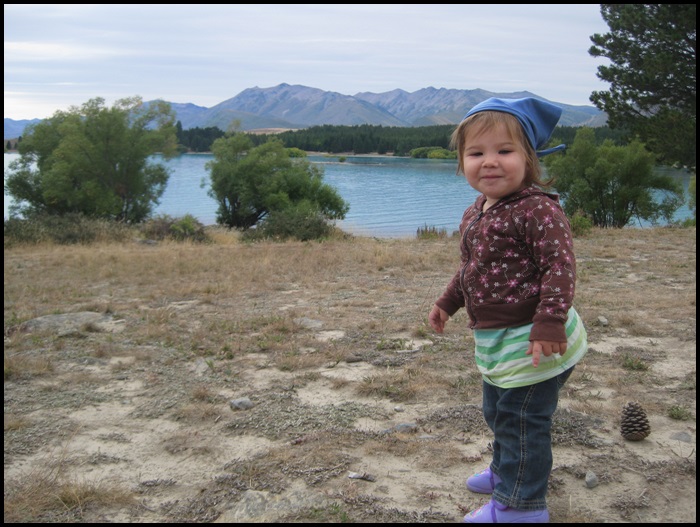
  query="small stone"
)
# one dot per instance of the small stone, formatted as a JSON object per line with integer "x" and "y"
{"x": 362, "y": 475}
{"x": 682, "y": 436}
{"x": 406, "y": 428}
{"x": 308, "y": 323}
{"x": 241, "y": 404}
{"x": 591, "y": 480}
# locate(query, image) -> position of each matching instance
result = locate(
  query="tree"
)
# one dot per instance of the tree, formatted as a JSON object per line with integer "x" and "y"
{"x": 652, "y": 48}
{"x": 94, "y": 160}
{"x": 251, "y": 182}
{"x": 612, "y": 184}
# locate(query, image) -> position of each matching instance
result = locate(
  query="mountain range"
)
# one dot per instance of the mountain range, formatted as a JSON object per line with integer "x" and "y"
{"x": 293, "y": 106}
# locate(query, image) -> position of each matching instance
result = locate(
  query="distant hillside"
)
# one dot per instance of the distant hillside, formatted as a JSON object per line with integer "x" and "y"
{"x": 431, "y": 106}
{"x": 292, "y": 107}
{"x": 13, "y": 129}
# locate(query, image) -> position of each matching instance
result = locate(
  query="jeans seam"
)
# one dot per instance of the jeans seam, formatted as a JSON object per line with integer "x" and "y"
{"x": 523, "y": 440}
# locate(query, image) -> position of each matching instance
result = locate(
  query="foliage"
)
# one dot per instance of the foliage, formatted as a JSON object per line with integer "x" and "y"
{"x": 680, "y": 413}
{"x": 185, "y": 228}
{"x": 399, "y": 141}
{"x": 93, "y": 161}
{"x": 296, "y": 152}
{"x": 197, "y": 139}
{"x": 652, "y": 49}
{"x": 581, "y": 225}
{"x": 566, "y": 135}
{"x": 69, "y": 229}
{"x": 249, "y": 182}
{"x": 363, "y": 139}
{"x": 431, "y": 233}
{"x": 432, "y": 152}
{"x": 300, "y": 222}
{"x": 612, "y": 184}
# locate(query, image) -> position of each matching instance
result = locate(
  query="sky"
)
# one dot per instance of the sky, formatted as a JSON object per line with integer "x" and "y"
{"x": 63, "y": 55}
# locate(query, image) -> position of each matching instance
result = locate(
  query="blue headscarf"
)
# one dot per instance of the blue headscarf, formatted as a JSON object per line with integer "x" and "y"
{"x": 538, "y": 118}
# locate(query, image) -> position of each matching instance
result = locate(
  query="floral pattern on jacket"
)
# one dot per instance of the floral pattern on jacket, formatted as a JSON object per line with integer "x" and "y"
{"x": 517, "y": 265}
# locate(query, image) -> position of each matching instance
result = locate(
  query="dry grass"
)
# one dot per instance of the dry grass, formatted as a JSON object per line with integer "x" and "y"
{"x": 47, "y": 494}
{"x": 281, "y": 323}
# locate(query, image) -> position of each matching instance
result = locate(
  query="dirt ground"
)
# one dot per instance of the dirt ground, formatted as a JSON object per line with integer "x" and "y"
{"x": 300, "y": 383}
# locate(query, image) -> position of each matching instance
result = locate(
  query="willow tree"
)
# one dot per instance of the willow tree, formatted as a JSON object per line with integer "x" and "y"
{"x": 612, "y": 184}
{"x": 250, "y": 182}
{"x": 94, "y": 160}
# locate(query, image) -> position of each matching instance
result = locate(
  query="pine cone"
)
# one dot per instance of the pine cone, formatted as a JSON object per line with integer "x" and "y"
{"x": 635, "y": 424}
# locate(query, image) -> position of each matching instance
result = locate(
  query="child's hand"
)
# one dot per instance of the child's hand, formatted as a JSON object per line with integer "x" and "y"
{"x": 437, "y": 319}
{"x": 546, "y": 348}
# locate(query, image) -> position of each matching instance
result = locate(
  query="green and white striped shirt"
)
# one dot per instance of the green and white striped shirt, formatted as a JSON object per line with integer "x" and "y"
{"x": 501, "y": 358}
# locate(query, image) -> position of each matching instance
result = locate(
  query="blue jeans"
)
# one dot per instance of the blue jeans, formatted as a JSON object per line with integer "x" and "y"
{"x": 521, "y": 421}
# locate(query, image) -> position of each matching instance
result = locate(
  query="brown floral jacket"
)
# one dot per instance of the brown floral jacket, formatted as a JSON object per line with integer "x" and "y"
{"x": 517, "y": 265}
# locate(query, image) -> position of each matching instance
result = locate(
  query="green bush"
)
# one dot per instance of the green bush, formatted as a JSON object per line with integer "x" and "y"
{"x": 432, "y": 152}
{"x": 430, "y": 233}
{"x": 581, "y": 224}
{"x": 188, "y": 228}
{"x": 297, "y": 223}
{"x": 680, "y": 413}
{"x": 165, "y": 227}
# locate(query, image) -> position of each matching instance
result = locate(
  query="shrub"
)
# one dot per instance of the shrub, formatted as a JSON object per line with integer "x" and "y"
{"x": 680, "y": 413}
{"x": 432, "y": 152}
{"x": 188, "y": 228}
{"x": 430, "y": 233}
{"x": 165, "y": 227}
{"x": 581, "y": 224}
{"x": 298, "y": 223}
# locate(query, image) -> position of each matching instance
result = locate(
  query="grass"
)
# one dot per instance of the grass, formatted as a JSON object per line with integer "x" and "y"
{"x": 49, "y": 494}
{"x": 234, "y": 309}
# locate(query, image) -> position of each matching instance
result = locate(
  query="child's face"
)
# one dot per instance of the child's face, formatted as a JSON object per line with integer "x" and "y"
{"x": 494, "y": 164}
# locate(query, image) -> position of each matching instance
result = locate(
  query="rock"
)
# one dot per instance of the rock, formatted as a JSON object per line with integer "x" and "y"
{"x": 264, "y": 507}
{"x": 308, "y": 323}
{"x": 591, "y": 480}
{"x": 70, "y": 324}
{"x": 362, "y": 475}
{"x": 405, "y": 428}
{"x": 241, "y": 404}
{"x": 201, "y": 367}
{"x": 682, "y": 436}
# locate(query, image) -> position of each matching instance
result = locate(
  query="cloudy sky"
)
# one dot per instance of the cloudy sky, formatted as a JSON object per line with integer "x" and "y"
{"x": 65, "y": 54}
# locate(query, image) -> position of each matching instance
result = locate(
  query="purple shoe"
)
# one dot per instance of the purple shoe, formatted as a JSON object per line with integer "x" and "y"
{"x": 494, "y": 512}
{"x": 483, "y": 482}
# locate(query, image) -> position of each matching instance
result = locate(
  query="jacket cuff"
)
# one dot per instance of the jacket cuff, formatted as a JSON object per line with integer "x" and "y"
{"x": 550, "y": 329}
{"x": 448, "y": 305}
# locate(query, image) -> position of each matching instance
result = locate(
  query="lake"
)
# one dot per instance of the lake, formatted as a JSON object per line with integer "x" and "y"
{"x": 389, "y": 197}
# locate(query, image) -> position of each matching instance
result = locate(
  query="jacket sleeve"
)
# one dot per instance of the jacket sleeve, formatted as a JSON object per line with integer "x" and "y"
{"x": 452, "y": 298}
{"x": 548, "y": 234}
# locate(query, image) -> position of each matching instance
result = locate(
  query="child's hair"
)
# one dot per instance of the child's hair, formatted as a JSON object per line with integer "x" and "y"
{"x": 479, "y": 122}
